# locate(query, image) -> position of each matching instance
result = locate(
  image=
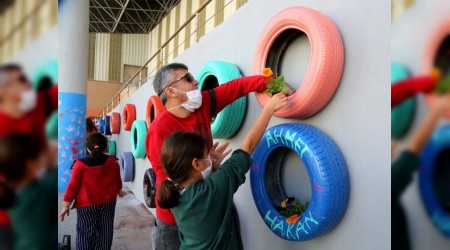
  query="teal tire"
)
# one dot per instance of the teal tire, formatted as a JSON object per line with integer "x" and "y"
{"x": 137, "y": 136}
{"x": 228, "y": 121}
{"x": 45, "y": 75}
{"x": 111, "y": 148}
{"x": 51, "y": 127}
{"x": 402, "y": 115}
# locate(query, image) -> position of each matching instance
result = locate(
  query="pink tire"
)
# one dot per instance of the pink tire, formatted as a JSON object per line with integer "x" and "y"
{"x": 115, "y": 123}
{"x": 326, "y": 63}
{"x": 441, "y": 32}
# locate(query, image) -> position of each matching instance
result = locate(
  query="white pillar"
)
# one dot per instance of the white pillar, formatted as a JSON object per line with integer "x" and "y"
{"x": 73, "y": 29}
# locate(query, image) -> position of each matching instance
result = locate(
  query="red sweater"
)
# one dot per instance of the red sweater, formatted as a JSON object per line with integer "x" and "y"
{"x": 94, "y": 185}
{"x": 199, "y": 121}
{"x": 33, "y": 122}
{"x": 404, "y": 89}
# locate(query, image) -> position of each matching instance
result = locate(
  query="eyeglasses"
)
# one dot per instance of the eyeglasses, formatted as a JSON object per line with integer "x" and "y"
{"x": 189, "y": 78}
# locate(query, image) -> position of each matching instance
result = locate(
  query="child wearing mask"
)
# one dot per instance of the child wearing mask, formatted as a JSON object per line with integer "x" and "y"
{"x": 28, "y": 191}
{"x": 202, "y": 204}
{"x": 94, "y": 186}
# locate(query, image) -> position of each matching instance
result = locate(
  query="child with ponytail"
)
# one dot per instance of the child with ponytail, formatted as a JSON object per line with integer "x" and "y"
{"x": 201, "y": 197}
{"x": 94, "y": 186}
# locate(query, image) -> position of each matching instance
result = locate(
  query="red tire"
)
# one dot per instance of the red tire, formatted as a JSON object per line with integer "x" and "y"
{"x": 438, "y": 36}
{"x": 325, "y": 65}
{"x": 115, "y": 123}
{"x": 154, "y": 107}
{"x": 128, "y": 116}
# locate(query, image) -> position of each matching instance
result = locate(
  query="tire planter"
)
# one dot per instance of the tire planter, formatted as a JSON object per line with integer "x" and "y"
{"x": 150, "y": 188}
{"x": 101, "y": 126}
{"x": 127, "y": 167}
{"x": 137, "y": 136}
{"x": 154, "y": 107}
{"x": 107, "y": 128}
{"x": 326, "y": 63}
{"x": 51, "y": 127}
{"x": 433, "y": 179}
{"x": 45, "y": 75}
{"x": 227, "y": 121}
{"x": 112, "y": 148}
{"x": 402, "y": 115}
{"x": 328, "y": 177}
{"x": 128, "y": 116}
{"x": 115, "y": 123}
{"x": 440, "y": 35}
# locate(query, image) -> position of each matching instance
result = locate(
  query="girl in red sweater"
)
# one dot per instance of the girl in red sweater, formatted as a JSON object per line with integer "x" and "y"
{"x": 94, "y": 186}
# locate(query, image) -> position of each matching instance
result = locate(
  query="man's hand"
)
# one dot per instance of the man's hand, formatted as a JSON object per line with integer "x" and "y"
{"x": 218, "y": 153}
{"x": 121, "y": 193}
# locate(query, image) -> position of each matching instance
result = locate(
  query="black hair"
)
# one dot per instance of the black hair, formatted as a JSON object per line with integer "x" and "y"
{"x": 96, "y": 143}
{"x": 179, "y": 149}
{"x": 15, "y": 152}
{"x": 90, "y": 126}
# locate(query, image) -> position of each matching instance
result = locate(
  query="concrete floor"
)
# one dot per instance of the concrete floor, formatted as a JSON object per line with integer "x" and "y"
{"x": 133, "y": 224}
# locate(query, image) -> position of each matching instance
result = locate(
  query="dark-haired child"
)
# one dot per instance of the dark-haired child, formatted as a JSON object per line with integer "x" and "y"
{"x": 94, "y": 186}
{"x": 202, "y": 204}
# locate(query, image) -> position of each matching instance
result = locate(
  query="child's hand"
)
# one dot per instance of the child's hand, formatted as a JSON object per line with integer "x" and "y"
{"x": 217, "y": 153}
{"x": 64, "y": 212}
{"x": 276, "y": 102}
{"x": 121, "y": 193}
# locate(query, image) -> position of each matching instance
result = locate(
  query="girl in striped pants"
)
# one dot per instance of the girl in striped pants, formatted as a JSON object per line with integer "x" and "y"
{"x": 94, "y": 186}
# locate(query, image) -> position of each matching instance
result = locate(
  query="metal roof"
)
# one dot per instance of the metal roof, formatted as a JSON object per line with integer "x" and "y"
{"x": 127, "y": 16}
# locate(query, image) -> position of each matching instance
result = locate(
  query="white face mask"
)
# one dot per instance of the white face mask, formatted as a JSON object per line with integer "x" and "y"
{"x": 41, "y": 173}
{"x": 28, "y": 101}
{"x": 194, "y": 100}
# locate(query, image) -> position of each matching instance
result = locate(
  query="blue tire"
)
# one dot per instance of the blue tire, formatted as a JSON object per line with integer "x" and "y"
{"x": 227, "y": 122}
{"x": 150, "y": 188}
{"x": 137, "y": 136}
{"x": 402, "y": 115}
{"x": 328, "y": 177}
{"x": 127, "y": 167}
{"x": 101, "y": 126}
{"x": 112, "y": 148}
{"x": 434, "y": 179}
{"x": 107, "y": 128}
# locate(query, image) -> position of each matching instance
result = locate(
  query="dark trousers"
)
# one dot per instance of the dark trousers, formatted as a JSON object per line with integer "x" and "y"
{"x": 165, "y": 236}
{"x": 95, "y": 226}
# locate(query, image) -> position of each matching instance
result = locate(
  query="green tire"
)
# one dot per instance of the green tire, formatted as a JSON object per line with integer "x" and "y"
{"x": 111, "y": 148}
{"x": 402, "y": 115}
{"x": 137, "y": 136}
{"x": 228, "y": 121}
{"x": 51, "y": 127}
{"x": 48, "y": 69}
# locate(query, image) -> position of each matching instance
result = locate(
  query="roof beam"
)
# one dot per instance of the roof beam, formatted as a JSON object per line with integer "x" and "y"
{"x": 120, "y": 15}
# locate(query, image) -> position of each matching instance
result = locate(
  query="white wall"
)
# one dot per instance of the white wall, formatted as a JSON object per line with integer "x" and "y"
{"x": 410, "y": 35}
{"x": 357, "y": 118}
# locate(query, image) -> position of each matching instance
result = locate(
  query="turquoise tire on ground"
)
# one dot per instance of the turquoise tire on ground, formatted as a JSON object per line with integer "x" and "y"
{"x": 137, "y": 136}
{"x": 228, "y": 121}
{"x": 402, "y": 115}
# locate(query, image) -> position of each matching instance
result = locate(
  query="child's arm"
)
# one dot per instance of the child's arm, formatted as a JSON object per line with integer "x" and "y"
{"x": 255, "y": 134}
{"x": 420, "y": 138}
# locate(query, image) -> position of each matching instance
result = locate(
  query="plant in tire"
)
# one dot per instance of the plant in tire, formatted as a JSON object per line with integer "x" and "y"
{"x": 275, "y": 84}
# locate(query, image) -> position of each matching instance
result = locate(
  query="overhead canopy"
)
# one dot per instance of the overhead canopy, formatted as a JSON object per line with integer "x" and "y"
{"x": 127, "y": 16}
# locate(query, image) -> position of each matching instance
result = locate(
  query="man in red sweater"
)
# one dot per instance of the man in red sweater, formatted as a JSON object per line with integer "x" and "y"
{"x": 22, "y": 110}
{"x": 187, "y": 109}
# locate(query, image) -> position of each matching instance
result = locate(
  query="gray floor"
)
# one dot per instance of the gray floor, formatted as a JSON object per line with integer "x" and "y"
{"x": 133, "y": 224}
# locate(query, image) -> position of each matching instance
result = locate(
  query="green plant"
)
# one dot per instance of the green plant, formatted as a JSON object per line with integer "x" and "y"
{"x": 291, "y": 206}
{"x": 443, "y": 86}
{"x": 276, "y": 85}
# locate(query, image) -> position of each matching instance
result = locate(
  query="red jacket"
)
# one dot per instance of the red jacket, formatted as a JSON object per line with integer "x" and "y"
{"x": 199, "y": 121}
{"x": 93, "y": 185}
{"x": 404, "y": 89}
{"x": 33, "y": 122}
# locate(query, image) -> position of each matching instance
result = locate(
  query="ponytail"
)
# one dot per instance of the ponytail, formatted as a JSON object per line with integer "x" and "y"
{"x": 7, "y": 195}
{"x": 96, "y": 143}
{"x": 168, "y": 194}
